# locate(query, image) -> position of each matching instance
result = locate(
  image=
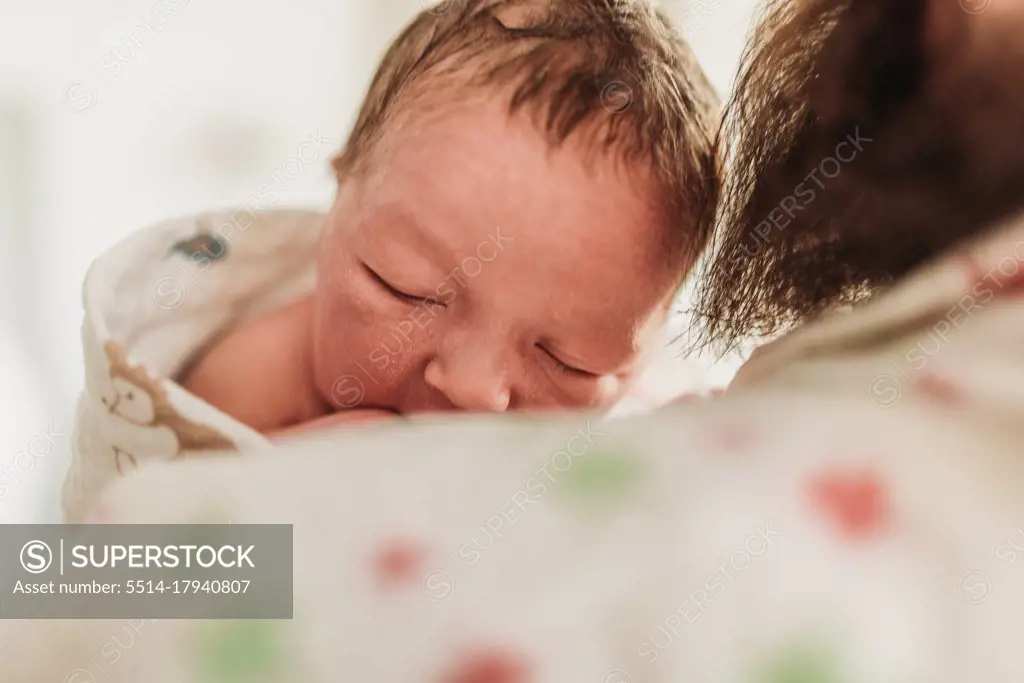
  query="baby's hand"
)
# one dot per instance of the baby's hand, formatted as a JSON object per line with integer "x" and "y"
{"x": 334, "y": 419}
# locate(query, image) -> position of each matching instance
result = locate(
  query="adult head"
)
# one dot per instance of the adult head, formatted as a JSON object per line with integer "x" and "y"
{"x": 864, "y": 138}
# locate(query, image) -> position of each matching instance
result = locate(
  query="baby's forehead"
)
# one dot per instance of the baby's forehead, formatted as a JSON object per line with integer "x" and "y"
{"x": 479, "y": 143}
{"x": 467, "y": 113}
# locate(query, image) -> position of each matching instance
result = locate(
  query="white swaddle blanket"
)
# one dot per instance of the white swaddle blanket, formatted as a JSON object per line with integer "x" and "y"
{"x": 152, "y": 303}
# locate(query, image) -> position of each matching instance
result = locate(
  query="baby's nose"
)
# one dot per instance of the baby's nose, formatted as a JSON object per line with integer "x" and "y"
{"x": 473, "y": 387}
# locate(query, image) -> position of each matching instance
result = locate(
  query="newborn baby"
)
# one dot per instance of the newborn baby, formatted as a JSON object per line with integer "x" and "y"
{"x": 520, "y": 199}
{"x": 523, "y": 191}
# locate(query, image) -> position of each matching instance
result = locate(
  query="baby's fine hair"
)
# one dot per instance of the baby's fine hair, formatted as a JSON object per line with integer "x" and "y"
{"x": 614, "y": 72}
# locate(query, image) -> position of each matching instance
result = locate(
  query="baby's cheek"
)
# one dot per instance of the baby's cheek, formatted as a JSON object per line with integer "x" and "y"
{"x": 346, "y": 298}
{"x": 333, "y": 344}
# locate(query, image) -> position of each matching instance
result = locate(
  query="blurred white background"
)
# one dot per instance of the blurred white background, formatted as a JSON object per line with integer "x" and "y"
{"x": 106, "y": 126}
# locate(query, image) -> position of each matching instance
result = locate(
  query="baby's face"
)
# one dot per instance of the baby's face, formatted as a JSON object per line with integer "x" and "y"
{"x": 474, "y": 268}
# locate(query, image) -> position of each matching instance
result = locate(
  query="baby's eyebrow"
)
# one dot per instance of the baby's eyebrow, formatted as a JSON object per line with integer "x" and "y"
{"x": 408, "y": 226}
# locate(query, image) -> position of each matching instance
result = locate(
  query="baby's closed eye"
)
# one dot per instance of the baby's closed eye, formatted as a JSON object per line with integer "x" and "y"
{"x": 400, "y": 293}
{"x": 566, "y": 367}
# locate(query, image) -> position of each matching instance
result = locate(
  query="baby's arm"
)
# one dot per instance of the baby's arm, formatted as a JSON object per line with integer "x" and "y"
{"x": 260, "y": 373}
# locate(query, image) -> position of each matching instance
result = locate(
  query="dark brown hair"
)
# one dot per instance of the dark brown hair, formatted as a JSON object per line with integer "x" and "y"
{"x": 612, "y": 70}
{"x": 863, "y": 138}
